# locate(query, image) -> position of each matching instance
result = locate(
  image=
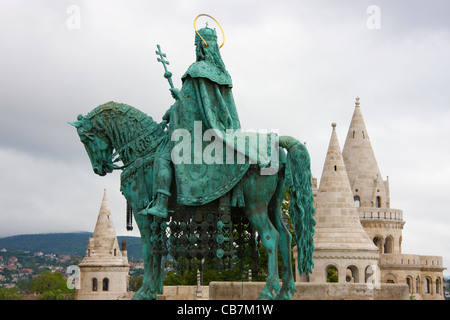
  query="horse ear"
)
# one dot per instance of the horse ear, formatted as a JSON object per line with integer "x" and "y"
{"x": 76, "y": 124}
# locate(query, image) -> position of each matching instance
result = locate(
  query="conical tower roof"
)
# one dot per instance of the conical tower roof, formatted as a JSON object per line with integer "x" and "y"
{"x": 337, "y": 222}
{"x": 103, "y": 248}
{"x": 362, "y": 168}
{"x": 104, "y": 228}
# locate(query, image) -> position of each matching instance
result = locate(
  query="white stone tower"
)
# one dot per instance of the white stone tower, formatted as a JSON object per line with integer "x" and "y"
{"x": 384, "y": 225}
{"x": 104, "y": 270}
{"x": 340, "y": 242}
{"x": 370, "y": 192}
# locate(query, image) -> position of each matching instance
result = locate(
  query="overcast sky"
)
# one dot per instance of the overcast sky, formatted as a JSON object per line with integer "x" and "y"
{"x": 297, "y": 66}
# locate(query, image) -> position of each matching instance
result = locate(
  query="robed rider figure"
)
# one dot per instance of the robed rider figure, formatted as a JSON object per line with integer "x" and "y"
{"x": 205, "y": 97}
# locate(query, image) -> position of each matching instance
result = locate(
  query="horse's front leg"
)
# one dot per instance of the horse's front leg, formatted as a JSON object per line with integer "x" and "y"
{"x": 147, "y": 290}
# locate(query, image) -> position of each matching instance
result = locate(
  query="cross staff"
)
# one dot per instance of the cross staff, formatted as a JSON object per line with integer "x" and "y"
{"x": 167, "y": 74}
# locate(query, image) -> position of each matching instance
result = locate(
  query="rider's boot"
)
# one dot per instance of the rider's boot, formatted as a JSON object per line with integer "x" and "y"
{"x": 159, "y": 207}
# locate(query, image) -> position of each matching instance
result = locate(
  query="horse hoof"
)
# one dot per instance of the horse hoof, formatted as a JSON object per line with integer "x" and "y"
{"x": 265, "y": 296}
{"x": 143, "y": 296}
{"x": 283, "y": 296}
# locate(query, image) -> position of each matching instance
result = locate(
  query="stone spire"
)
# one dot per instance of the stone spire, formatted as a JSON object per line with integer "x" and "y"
{"x": 103, "y": 246}
{"x": 362, "y": 168}
{"x": 104, "y": 270}
{"x": 338, "y": 224}
{"x": 339, "y": 236}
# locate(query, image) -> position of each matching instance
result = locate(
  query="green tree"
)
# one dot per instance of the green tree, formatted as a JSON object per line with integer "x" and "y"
{"x": 332, "y": 275}
{"x": 52, "y": 286}
{"x": 10, "y": 294}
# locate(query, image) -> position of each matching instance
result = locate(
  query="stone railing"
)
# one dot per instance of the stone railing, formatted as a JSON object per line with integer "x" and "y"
{"x": 431, "y": 261}
{"x": 400, "y": 259}
{"x": 380, "y": 214}
{"x": 411, "y": 260}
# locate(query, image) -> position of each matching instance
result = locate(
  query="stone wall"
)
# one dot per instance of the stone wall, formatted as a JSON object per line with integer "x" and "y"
{"x": 304, "y": 291}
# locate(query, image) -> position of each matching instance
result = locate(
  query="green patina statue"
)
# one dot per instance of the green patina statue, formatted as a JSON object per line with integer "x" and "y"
{"x": 193, "y": 178}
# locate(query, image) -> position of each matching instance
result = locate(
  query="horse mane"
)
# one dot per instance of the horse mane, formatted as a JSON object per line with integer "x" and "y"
{"x": 124, "y": 124}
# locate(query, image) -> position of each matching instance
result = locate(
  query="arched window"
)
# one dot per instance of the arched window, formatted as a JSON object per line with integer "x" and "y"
{"x": 408, "y": 282}
{"x": 94, "y": 284}
{"x": 372, "y": 274}
{"x": 332, "y": 274}
{"x": 389, "y": 245}
{"x": 427, "y": 285}
{"x": 378, "y": 202}
{"x": 378, "y": 242}
{"x": 352, "y": 274}
{"x": 357, "y": 201}
{"x": 105, "y": 284}
{"x": 115, "y": 252}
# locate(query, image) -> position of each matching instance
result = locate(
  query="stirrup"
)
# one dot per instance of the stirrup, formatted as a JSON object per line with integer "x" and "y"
{"x": 157, "y": 212}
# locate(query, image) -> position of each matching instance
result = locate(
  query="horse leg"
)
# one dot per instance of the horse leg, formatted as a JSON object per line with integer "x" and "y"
{"x": 257, "y": 196}
{"x": 285, "y": 240}
{"x": 157, "y": 274}
{"x": 147, "y": 290}
{"x": 269, "y": 239}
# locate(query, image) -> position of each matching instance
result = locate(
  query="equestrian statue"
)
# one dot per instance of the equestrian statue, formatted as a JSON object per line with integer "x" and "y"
{"x": 194, "y": 178}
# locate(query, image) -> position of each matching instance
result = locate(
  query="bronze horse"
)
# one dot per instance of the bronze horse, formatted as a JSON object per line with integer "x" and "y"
{"x": 118, "y": 130}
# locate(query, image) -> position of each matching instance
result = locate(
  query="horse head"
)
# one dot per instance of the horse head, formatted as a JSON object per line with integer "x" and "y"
{"x": 97, "y": 145}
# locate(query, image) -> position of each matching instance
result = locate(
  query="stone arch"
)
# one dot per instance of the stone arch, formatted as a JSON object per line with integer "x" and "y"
{"x": 409, "y": 282}
{"x": 427, "y": 285}
{"x": 378, "y": 202}
{"x": 371, "y": 274}
{"x": 105, "y": 283}
{"x": 357, "y": 200}
{"x": 388, "y": 245}
{"x": 438, "y": 285}
{"x": 331, "y": 273}
{"x": 378, "y": 241}
{"x": 352, "y": 274}
{"x": 390, "y": 278}
{"x": 418, "y": 285}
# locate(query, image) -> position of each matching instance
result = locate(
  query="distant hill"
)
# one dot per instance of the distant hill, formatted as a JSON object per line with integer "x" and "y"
{"x": 64, "y": 243}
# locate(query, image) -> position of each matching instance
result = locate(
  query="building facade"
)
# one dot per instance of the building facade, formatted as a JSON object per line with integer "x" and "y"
{"x": 351, "y": 239}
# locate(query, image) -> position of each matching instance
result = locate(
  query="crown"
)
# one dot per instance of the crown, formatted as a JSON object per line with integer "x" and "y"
{"x": 207, "y": 34}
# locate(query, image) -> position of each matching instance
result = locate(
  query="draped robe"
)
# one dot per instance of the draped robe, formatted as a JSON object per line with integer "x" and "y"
{"x": 205, "y": 101}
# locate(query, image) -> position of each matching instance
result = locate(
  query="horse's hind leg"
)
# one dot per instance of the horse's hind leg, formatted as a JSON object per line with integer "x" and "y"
{"x": 257, "y": 196}
{"x": 269, "y": 239}
{"x": 285, "y": 240}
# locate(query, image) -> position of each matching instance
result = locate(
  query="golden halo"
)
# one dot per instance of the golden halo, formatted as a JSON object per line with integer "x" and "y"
{"x": 207, "y": 15}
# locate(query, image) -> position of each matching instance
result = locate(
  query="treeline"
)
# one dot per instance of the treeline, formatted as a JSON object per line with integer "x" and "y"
{"x": 64, "y": 243}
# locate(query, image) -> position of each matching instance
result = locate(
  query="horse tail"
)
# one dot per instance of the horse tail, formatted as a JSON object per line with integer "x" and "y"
{"x": 301, "y": 209}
